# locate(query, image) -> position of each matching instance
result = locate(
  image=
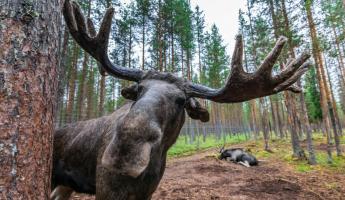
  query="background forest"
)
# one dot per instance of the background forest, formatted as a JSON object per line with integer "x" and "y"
{"x": 171, "y": 36}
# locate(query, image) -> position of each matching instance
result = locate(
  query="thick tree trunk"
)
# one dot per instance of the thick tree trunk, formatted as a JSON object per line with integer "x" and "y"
{"x": 29, "y": 54}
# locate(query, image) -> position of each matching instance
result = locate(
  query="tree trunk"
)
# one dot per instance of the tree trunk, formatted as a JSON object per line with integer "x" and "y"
{"x": 320, "y": 76}
{"x": 334, "y": 115}
{"x": 264, "y": 123}
{"x": 30, "y": 48}
{"x": 172, "y": 49}
{"x": 143, "y": 42}
{"x": 303, "y": 111}
{"x": 290, "y": 101}
{"x": 82, "y": 84}
{"x": 261, "y": 100}
{"x": 90, "y": 92}
{"x": 62, "y": 72}
{"x": 101, "y": 96}
{"x": 72, "y": 84}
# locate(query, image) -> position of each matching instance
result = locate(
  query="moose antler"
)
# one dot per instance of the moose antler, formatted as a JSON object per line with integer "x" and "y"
{"x": 96, "y": 46}
{"x": 242, "y": 86}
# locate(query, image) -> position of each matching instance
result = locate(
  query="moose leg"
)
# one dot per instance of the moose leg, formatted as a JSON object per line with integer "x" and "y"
{"x": 245, "y": 163}
{"x": 61, "y": 193}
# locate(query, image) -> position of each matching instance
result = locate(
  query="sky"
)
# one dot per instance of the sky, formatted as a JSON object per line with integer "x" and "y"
{"x": 223, "y": 13}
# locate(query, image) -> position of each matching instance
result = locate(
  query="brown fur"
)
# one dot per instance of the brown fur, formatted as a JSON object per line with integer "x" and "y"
{"x": 123, "y": 155}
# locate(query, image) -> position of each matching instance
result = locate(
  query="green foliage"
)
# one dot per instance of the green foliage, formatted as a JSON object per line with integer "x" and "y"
{"x": 181, "y": 148}
{"x": 312, "y": 96}
{"x": 217, "y": 60}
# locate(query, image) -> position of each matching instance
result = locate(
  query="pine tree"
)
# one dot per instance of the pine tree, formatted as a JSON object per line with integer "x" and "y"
{"x": 30, "y": 35}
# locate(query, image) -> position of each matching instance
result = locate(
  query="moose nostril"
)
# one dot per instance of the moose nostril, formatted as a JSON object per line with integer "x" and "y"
{"x": 180, "y": 101}
{"x": 152, "y": 137}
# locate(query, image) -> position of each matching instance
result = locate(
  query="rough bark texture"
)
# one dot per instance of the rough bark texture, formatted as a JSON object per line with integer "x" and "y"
{"x": 29, "y": 35}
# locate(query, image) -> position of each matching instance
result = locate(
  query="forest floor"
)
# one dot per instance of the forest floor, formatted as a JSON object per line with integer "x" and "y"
{"x": 278, "y": 176}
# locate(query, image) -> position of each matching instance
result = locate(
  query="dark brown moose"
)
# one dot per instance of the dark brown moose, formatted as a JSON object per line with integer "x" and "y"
{"x": 123, "y": 155}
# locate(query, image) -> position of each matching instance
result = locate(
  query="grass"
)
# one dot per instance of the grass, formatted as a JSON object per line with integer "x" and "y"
{"x": 183, "y": 148}
{"x": 281, "y": 151}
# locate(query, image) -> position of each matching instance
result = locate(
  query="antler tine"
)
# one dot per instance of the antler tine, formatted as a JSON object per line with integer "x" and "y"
{"x": 91, "y": 28}
{"x": 292, "y": 67}
{"x": 93, "y": 33}
{"x": 104, "y": 31}
{"x": 237, "y": 57}
{"x": 69, "y": 17}
{"x": 253, "y": 85}
{"x": 80, "y": 20}
{"x": 268, "y": 63}
{"x": 294, "y": 89}
{"x": 288, "y": 62}
{"x": 293, "y": 78}
{"x": 96, "y": 46}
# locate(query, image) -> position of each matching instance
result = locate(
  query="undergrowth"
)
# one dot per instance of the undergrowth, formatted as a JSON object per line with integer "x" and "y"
{"x": 184, "y": 147}
{"x": 281, "y": 150}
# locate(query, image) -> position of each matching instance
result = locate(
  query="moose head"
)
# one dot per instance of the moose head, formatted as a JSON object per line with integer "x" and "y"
{"x": 131, "y": 160}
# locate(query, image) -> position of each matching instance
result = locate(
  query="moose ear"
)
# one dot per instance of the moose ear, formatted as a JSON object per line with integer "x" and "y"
{"x": 130, "y": 92}
{"x": 196, "y": 111}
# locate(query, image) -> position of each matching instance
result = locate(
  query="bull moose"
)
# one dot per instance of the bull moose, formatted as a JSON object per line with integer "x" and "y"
{"x": 123, "y": 155}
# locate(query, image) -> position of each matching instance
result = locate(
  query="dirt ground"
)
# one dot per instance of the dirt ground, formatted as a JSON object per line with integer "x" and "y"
{"x": 202, "y": 176}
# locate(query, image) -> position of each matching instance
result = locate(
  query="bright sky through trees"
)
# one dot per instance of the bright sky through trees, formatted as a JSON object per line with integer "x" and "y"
{"x": 224, "y": 13}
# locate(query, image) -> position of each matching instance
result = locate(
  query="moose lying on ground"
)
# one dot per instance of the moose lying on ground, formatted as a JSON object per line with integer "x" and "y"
{"x": 123, "y": 155}
{"x": 239, "y": 156}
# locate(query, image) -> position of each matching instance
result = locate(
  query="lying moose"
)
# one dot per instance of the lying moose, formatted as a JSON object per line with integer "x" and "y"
{"x": 239, "y": 156}
{"x": 123, "y": 155}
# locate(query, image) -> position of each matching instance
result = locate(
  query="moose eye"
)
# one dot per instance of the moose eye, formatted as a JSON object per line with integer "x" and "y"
{"x": 180, "y": 101}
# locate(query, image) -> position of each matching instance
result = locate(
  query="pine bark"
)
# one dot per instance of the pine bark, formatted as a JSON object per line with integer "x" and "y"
{"x": 29, "y": 54}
